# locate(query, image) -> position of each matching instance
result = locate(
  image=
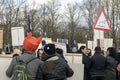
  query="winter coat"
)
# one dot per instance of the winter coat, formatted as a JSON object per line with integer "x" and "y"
{"x": 55, "y": 68}
{"x": 31, "y": 66}
{"x": 87, "y": 63}
{"x": 110, "y": 72}
{"x": 98, "y": 63}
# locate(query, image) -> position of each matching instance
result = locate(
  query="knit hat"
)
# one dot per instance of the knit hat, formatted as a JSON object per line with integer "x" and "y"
{"x": 50, "y": 49}
{"x": 31, "y": 43}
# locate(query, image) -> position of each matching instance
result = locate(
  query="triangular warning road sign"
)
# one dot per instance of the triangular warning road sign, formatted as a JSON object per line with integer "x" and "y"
{"x": 102, "y": 22}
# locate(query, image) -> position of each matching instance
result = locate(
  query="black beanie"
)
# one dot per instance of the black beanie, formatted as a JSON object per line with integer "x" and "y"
{"x": 50, "y": 49}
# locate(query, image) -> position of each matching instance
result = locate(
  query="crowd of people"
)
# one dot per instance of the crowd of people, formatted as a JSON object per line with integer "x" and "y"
{"x": 50, "y": 63}
{"x": 101, "y": 65}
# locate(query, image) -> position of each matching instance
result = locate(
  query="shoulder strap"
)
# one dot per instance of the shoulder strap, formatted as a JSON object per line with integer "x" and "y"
{"x": 30, "y": 59}
{"x": 17, "y": 58}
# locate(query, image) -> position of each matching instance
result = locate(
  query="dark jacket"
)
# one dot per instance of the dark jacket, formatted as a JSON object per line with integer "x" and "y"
{"x": 98, "y": 63}
{"x": 87, "y": 63}
{"x": 55, "y": 68}
{"x": 118, "y": 59}
{"x": 110, "y": 72}
{"x": 31, "y": 66}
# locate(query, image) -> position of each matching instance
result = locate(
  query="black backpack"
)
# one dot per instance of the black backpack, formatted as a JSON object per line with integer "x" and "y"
{"x": 20, "y": 70}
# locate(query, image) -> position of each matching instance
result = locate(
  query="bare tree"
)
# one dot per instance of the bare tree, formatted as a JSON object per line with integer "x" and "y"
{"x": 10, "y": 17}
{"x": 90, "y": 9}
{"x": 72, "y": 15}
{"x": 50, "y": 19}
{"x": 113, "y": 13}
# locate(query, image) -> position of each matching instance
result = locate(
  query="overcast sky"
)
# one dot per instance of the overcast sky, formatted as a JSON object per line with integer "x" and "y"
{"x": 63, "y": 2}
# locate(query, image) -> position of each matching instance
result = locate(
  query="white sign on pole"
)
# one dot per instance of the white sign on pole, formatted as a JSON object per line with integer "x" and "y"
{"x": 108, "y": 43}
{"x": 92, "y": 44}
{"x": 17, "y": 36}
{"x": 98, "y": 34}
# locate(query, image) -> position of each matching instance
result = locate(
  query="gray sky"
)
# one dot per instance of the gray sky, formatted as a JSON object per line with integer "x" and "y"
{"x": 63, "y": 2}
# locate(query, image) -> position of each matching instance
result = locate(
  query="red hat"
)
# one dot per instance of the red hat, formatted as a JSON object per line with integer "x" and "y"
{"x": 31, "y": 43}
